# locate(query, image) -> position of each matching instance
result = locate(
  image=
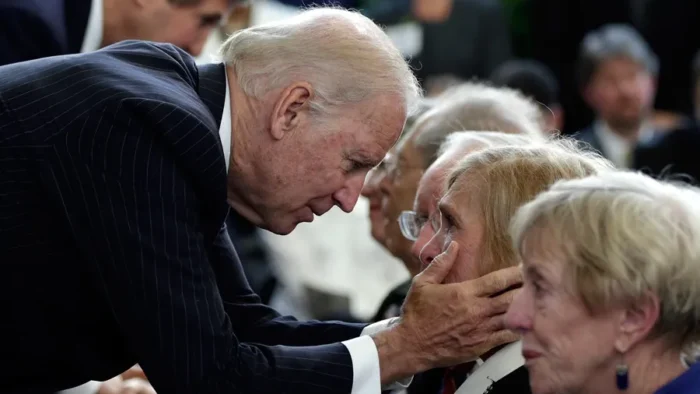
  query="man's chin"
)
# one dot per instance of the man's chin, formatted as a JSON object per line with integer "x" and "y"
{"x": 284, "y": 228}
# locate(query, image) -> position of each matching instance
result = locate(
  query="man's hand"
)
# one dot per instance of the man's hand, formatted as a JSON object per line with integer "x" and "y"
{"x": 447, "y": 324}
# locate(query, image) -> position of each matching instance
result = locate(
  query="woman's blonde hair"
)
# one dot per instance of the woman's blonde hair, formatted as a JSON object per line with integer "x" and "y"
{"x": 623, "y": 235}
{"x": 504, "y": 178}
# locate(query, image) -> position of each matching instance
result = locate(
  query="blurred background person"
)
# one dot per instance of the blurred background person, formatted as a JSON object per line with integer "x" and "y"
{"x": 483, "y": 193}
{"x": 461, "y": 38}
{"x": 614, "y": 310}
{"x": 617, "y": 77}
{"x": 556, "y": 29}
{"x": 32, "y": 29}
{"x": 536, "y": 81}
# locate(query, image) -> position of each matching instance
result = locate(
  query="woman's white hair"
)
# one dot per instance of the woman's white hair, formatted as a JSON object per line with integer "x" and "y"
{"x": 622, "y": 235}
{"x": 345, "y": 56}
{"x": 464, "y": 140}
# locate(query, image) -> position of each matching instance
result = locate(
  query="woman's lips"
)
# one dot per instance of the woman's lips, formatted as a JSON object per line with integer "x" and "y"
{"x": 529, "y": 354}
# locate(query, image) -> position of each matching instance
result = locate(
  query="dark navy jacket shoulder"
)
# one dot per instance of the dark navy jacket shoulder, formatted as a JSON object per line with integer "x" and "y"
{"x": 113, "y": 248}
{"x": 687, "y": 383}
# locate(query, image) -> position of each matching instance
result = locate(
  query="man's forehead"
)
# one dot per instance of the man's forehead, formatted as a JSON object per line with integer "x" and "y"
{"x": 432, "y": 185}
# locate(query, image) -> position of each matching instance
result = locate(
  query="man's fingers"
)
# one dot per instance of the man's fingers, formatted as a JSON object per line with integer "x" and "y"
{"x": 497, "y": 282}
{"x": 501, "y": 338}
{"x": 499, "y": 304}
{"x": 495, "y": 323}
{"x": 440, "y": 266}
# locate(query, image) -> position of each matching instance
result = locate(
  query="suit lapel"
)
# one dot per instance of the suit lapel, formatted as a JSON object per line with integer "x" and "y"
{"x": 212, "y": 88}
{"x": 76, "y": 14}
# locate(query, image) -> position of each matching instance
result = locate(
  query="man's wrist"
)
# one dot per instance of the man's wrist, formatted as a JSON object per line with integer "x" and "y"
{"x": 397, "y": 360}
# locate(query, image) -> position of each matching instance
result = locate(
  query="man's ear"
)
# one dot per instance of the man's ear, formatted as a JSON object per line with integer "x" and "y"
{"x": 637, "y": 321}
{"x": 291, "y": 106}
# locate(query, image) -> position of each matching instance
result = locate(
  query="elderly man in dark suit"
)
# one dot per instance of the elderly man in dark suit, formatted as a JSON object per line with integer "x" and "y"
{"x": 117, "y": 167}
{"x": 32, "y": 29}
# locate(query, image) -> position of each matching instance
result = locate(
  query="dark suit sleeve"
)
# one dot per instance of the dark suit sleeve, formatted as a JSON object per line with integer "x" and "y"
{"x": 259, "y": 323}
{"x": 136, "y": 218}
{"x": 24, "y": 36}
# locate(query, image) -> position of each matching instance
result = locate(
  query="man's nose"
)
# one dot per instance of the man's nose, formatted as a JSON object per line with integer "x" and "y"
{"x": 347, "y": 197}
{"x": 424, "y": 237}
{"x": 428, "y": 254}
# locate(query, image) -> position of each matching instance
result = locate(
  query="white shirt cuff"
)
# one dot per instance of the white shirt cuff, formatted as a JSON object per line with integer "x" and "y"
{"x": 366, "y": 378}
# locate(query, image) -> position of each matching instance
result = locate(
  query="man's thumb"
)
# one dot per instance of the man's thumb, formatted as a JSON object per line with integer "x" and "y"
{"x": 441, "y": 265}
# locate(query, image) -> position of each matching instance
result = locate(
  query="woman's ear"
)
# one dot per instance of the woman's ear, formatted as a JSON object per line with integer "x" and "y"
{"x": 637, "y": 321}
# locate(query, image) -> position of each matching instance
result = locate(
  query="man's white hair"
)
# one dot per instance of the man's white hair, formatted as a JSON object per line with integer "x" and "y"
{"x": 345, "y": 56}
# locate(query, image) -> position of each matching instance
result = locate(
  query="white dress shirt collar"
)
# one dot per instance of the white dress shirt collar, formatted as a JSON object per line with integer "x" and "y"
{"x": 495, "y": 368}
{"x": 92, "y": 40}
{"x": 616, "y": 148}
{"x": 225, "y": 127}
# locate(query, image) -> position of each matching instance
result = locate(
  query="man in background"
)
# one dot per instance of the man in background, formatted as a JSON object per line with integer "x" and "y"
{"x": 32, "y": 29}
{"x": 461, "y": 38}
{"x": 617, "y": 78}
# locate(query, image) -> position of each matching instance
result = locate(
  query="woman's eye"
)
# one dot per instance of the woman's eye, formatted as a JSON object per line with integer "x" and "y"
{"x": 539, "y": 289}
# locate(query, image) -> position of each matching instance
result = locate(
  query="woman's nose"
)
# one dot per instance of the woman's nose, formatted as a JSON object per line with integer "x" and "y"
{"x": 518, "y": 318}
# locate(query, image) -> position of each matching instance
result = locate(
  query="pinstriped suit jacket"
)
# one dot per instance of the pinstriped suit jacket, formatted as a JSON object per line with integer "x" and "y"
{"x": 112, "y": 244}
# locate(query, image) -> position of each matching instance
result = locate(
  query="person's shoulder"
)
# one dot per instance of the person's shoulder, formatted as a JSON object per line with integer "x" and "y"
{"x": 150, "y": 54}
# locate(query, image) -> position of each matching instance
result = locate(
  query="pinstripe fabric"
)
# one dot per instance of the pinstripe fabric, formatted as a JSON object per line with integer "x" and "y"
{"x": 112, "y": 244}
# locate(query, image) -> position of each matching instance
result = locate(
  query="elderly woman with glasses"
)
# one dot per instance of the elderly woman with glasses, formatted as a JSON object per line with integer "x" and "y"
{"x": 483, "y": 193}
{"x": 391, "y": 188}
{"x": 611, "y": 295}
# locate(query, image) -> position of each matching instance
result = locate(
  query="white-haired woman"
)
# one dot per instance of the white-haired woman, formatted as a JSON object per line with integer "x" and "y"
{"x": 483, "y": 193}
{"x": 611, "y": 295}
